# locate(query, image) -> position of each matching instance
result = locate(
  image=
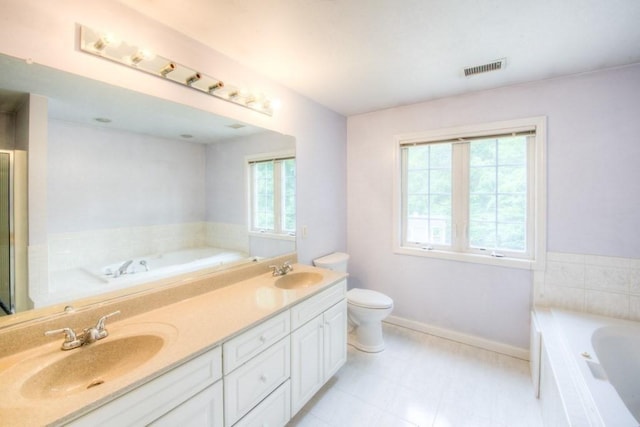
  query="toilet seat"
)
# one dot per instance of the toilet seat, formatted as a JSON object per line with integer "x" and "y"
{"x": 368, "y": 299}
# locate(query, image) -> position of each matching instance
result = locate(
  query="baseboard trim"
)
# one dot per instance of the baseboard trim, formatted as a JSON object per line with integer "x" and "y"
{"x": 509, "y": 350}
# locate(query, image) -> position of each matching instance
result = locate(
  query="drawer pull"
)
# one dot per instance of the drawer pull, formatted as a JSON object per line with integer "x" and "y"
{"x": 264, "y": 378}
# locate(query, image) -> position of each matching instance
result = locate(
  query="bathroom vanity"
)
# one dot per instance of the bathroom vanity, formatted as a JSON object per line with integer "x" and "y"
{"x": 250, "y": 352}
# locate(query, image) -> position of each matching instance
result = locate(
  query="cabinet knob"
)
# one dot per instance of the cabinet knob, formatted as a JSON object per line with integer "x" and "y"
{"x": 264, "y": 378}
{"x": 263, "y": 338}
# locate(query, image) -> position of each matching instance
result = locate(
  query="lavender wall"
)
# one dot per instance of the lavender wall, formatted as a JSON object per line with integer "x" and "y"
{"x": 593, "y": 197}
{"x": 105, "y": 179}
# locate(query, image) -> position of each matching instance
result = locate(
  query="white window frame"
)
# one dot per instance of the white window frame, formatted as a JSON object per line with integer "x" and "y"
{"x": 278, "y": 233}
{"x": 537, "y": 194}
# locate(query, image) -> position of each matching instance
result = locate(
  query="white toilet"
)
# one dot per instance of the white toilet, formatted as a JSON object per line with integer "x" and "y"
{"x": 366, "y": 308}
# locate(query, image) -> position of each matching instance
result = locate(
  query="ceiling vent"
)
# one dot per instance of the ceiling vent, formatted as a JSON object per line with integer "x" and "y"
{"x": 496, "y": 65}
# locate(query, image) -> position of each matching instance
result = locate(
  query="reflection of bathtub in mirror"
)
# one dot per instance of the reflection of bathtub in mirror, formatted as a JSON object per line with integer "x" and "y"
{"x": 84, "y": 281}
{"x": 161, "y": 265}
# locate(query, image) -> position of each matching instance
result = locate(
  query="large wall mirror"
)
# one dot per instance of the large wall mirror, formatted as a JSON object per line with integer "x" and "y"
{"x": 126, "y": 189}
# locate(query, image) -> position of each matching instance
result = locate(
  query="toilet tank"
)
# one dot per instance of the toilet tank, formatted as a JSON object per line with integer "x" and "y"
{"x": 336, "y": 261}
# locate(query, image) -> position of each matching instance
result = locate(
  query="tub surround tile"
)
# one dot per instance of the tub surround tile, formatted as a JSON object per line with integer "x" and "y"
{"x": 567, "y": 298}
{"x": 589, "y": 283}
{"x": 565, "y": 274}
{"x": 605, "y": 261}
{"x": 607, "y": 278}
{"x": 607, "y": 304}
{"x": 634, "y": 281}
{"x": 95, "y": 247}
{"x": 634, "y": 308}
{"x": 38, "y": 261}
{"x": 232, "y": 236}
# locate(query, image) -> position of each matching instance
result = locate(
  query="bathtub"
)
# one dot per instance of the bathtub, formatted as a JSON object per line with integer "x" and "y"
{"x": 149, "y": 267}
{"x": 596, "y": 364}
{"x": 82, "y": 282}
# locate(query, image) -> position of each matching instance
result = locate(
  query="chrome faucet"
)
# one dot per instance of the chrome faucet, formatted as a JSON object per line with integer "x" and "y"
{"x": 282, "y": 270}
{"x": 123, "y": 268}
{"x": 87, "y": 336}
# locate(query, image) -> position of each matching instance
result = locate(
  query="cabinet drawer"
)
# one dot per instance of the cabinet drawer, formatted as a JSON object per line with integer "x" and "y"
{"x": 274, "y": 411}
{"x": 145, "y": 403}
{"x": 203, "y": 409}
{"x": 307, "y": 310}
{"x": 243, "y": 347}
{"x": 245, "y": 387}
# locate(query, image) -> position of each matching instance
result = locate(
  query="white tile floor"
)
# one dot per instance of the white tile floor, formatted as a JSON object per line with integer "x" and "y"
{"x": 422, "y": 380}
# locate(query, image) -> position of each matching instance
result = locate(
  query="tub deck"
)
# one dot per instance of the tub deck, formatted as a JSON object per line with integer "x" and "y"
{"x": 588, "y": 396}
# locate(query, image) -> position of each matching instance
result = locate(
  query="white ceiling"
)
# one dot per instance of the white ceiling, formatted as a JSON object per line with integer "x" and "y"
{"x": 356, "y": 56}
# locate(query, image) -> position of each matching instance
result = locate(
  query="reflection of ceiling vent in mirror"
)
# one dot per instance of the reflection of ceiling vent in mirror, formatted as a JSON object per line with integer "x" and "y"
{"x": 496, "y": 65}
{"x": 236, "y": 126}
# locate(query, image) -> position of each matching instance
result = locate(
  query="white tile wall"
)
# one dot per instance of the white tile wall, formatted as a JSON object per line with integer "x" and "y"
{"x": 38, "y": 269}
{"x": 224, "y": 235}
{"x": 97, "y": 247}
{"x": 608, "y": 286}
{"x": 68, "y": 253}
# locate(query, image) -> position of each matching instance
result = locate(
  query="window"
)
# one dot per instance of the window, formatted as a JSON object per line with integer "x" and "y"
{"x": 272, "y": 183}
{"x": 473, "y": 193}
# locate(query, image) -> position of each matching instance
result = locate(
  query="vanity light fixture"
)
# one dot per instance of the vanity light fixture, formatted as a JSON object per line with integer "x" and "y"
{"x": 215, "y": 87}
{"x": 104, "y": 45}
{"x": 273, "y": 105}
{"x": 167, "y": 69}
{"x": 191, "y": 80}
{"x": 104, "y": 41}
{"x": 140, "y": 56}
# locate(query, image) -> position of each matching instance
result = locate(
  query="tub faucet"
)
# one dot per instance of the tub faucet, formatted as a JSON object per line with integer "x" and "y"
{"x": 282, "y": 270}
{"x": 123, "y": 268}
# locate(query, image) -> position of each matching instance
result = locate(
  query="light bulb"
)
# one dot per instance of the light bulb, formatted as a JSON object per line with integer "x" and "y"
{"x": 105, "y": 40}
{"x": 141, "y": 55}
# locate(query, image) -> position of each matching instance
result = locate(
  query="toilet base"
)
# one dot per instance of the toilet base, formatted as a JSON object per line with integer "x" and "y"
{"x": 367, "y": 338}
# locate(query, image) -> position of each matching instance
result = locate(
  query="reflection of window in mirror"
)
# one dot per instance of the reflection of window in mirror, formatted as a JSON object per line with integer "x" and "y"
{"x": 272, "y": 190}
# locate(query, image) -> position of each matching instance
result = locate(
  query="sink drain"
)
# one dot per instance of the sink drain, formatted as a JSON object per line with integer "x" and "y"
{"x": 95, "y": 383}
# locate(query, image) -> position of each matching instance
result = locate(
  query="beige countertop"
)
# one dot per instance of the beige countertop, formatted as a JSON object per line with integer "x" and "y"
{"x": 188, "y": 327}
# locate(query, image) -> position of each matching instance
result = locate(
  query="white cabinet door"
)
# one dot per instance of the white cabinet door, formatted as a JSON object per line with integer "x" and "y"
{"x": 306, "y": 362}
{"x": 202, "y": 410}
{"x": 335, "y": 339}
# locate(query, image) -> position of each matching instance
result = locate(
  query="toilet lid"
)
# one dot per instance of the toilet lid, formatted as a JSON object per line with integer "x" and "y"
{"x": 368, "y": 298}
